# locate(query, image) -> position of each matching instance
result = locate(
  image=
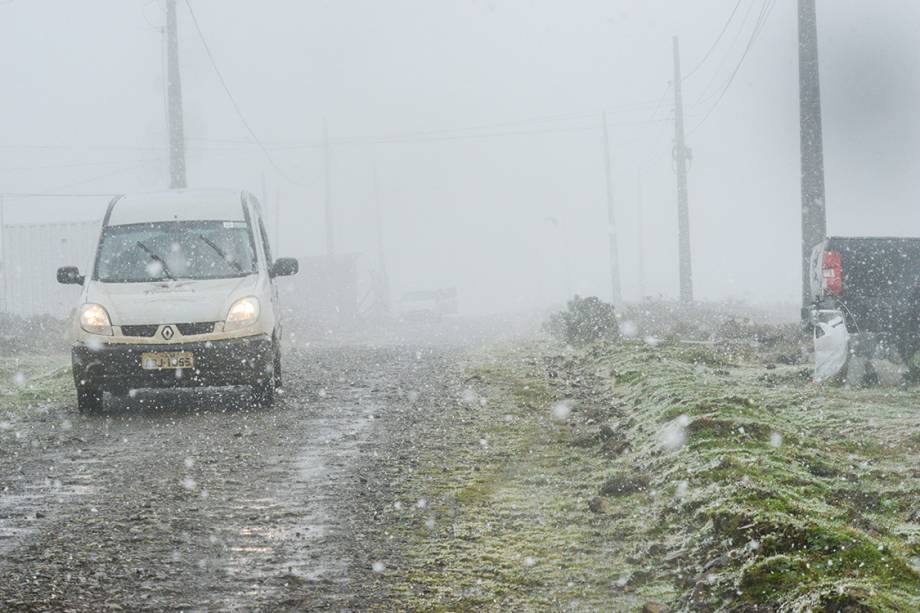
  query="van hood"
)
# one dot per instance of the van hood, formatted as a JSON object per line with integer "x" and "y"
{"x": 182, "y": 301}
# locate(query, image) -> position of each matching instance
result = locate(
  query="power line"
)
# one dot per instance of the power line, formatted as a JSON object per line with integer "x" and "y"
{"x": 716, "y": 43}
{"x": 766, "y": 9}
{"x": 629, "y": 108}
{"x": 236, "y": 106}
{"x": 420, "y": 137}
{"x": 707, "y": 94}
{"x": 76, "y": 165}
{"x": 55, "y": 195}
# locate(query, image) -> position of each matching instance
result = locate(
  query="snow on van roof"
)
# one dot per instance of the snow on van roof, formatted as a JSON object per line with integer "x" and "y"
{"x": 178, "y": 205}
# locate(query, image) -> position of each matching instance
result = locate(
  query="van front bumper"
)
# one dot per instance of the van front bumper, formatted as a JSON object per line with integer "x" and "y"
{"x": 118, "y": 368}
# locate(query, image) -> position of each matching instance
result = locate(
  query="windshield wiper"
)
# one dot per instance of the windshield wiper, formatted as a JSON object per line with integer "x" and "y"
{"x": 207, "y": 241}
{"x": 156, "y": 258}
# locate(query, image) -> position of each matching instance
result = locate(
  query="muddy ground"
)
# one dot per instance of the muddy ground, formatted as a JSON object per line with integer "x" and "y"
{"x": 468, "y": 467}
{"x": 171, "y": 502}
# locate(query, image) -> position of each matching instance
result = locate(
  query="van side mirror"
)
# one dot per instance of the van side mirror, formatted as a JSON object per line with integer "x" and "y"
{"x": 70, "y": 275}
{"x": 284, "y": 267}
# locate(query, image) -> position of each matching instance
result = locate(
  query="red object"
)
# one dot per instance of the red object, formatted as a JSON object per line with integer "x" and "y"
{"x": 833, "y": 273}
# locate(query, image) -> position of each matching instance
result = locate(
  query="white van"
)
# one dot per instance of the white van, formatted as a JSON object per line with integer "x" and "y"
{"x": 181, "y": 294}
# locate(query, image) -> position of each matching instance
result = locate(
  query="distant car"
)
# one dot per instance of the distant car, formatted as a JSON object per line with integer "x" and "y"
{"x": 427, "y": 305}
{"x": 181, "y": 294}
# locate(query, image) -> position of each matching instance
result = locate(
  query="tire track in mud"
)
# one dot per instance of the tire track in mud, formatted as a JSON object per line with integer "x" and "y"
{"x": 202, "y": 503}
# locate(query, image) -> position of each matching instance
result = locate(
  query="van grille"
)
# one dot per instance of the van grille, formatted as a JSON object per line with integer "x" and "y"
{"x": 144, "y": 330}
{"x": 196, "y": 328}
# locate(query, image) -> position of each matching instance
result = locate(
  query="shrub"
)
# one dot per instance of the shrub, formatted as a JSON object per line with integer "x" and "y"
{"x": 585, "y": 321}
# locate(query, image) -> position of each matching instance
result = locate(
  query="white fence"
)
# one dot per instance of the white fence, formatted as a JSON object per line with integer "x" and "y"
{"x": 30, "y": 255}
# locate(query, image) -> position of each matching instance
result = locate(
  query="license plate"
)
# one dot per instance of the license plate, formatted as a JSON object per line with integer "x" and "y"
{"x": 162, "y": 360}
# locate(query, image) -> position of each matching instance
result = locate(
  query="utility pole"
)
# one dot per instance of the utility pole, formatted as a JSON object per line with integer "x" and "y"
{"x": 330, "y": 234}
{"x": 640, "y": 235}
{"x": 681, "y": 155}
{"x": 277, "y": 216}
{"x": 264, "y": 192}
{"x": 177, "y": 178}
{"x": 614, "y": 260}
{"x": 4, "y": 270}
{"x": 814, "y": 213}
{"x": 383, "y": 292}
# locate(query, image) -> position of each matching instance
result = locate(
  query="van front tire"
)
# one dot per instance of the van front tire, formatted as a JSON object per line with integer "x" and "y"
{"x": 89, "y": 400}
{"x": 276, "y": 369}
{"x": 263, "y": 391}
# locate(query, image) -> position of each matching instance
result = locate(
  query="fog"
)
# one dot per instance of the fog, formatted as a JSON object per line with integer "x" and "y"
{"x": 482, "y": 123}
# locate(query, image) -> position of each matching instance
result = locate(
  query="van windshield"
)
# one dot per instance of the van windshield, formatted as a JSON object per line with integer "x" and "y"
{"x": 160, "y": 251}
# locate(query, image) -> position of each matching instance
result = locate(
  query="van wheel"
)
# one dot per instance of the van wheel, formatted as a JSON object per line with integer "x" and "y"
{"x": 264, "y": 391}
{"x": 89, "y": 400}
{"x": 276, "y": 368}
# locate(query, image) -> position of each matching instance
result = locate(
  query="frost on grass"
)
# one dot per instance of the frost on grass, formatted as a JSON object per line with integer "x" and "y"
{"x": 710, "y": 490}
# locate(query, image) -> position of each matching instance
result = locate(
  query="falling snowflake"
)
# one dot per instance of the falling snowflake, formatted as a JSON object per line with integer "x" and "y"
{"x": 561, "y": 410}
{"x": 681, "y": 491}
{"x": 378, "y": 567}
{"x": 674, "y": 434}
{"x": 629, "y": 329}
{"x": 154, "y": 268}
{"x": 776, "y": 439}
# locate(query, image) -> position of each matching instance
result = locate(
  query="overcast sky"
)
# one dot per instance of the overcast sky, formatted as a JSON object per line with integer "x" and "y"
{"x": 483, "y": 121}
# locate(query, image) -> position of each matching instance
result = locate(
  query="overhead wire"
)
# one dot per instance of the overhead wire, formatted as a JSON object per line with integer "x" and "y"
{"x": 709, "y": 92}
{"x": 233, "y": 102}
{"x": 56, "y": 195}
{"x": 766, "y": 9}
{"x": 75, "y": 165}
{"x": 715, "y": 44}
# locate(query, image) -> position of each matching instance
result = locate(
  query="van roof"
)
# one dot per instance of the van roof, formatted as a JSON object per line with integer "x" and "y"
{"x": 177, "y": 205}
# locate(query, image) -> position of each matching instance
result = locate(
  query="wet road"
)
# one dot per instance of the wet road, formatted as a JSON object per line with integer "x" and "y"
{"x": 206, "y": 503}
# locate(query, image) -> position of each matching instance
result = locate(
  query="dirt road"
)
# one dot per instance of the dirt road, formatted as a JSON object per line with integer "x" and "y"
{"x": 206, "y": 503}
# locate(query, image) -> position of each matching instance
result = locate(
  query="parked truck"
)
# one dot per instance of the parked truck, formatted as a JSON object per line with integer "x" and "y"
{"x": 866, "y": 294}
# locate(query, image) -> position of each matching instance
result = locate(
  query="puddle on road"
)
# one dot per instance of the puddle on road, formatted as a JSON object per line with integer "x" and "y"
{"x": 291, "y": 538}
{"x": 23, "y": 512}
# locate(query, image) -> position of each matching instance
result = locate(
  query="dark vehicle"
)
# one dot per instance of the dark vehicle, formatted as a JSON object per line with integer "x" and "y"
{"x": 875, "y": 284}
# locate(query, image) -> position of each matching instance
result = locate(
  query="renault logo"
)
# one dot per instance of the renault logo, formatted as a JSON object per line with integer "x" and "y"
{"x": 167, "y": 332}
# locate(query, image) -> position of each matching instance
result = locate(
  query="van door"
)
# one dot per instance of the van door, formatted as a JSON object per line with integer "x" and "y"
{"x": 269, "y": 262}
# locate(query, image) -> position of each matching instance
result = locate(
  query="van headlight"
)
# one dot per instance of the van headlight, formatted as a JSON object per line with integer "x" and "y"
{"x": 95, "y": 320}
{"x": 244, "y": 312}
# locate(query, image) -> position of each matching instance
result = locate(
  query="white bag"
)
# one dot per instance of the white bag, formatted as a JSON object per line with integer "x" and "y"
{"x": 831, "y": 344}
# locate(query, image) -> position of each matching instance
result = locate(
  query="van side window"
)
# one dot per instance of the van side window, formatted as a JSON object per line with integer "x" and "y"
{"x": 268, "y": 250}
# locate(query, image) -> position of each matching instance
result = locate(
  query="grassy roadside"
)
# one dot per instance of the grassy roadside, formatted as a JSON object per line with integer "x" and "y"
{"x": 635, "y": 476}
{"x": 27, "y": 381}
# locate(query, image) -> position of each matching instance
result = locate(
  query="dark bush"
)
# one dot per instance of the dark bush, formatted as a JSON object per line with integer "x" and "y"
{"x": 585, "y": 321}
